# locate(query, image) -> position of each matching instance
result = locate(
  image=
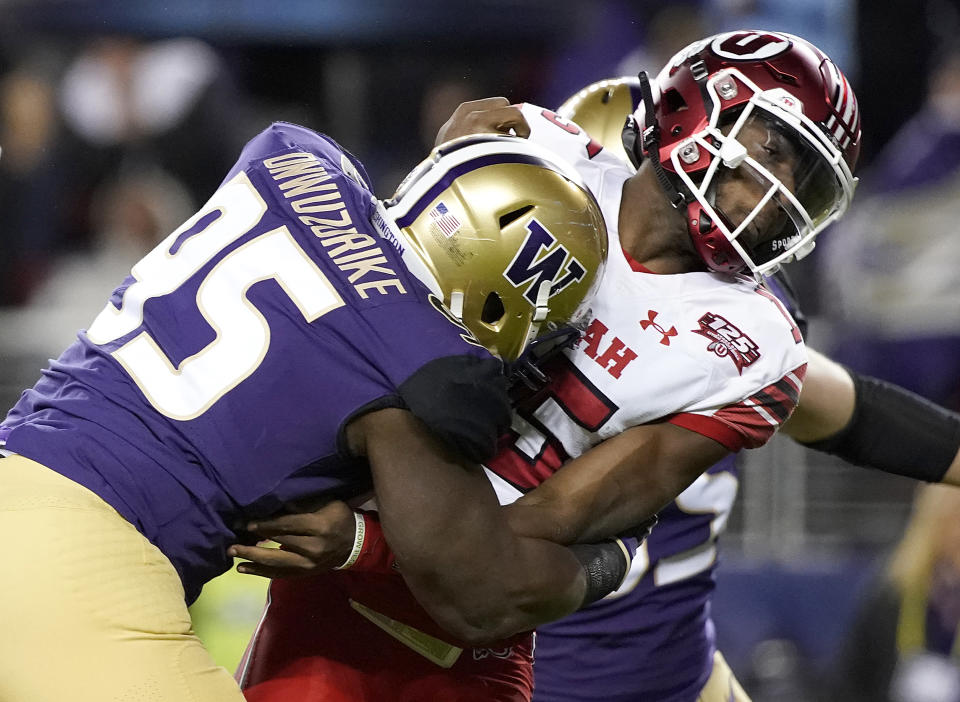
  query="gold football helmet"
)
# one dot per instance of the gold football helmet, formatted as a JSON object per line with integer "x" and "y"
{"x": 505, "y": 233}
{"x": 602, "y": 109}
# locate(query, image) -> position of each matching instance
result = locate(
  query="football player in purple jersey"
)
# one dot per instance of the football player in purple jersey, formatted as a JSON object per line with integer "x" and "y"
{"x": 656, "y": 640}
{"x": 288, "y": 344}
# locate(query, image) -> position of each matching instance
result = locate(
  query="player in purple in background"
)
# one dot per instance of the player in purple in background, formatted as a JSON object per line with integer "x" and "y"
{"x": 273, "y": 351}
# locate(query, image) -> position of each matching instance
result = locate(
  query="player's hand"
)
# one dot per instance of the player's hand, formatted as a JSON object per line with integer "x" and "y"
{"x": 489, "y": 115}
{"x": 310, "y": 543}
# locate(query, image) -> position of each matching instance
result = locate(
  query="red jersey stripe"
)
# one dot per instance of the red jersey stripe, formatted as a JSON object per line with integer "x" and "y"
{"x": 755, "y": 419}
{"x": 522, "y": 472}
{"x": 711, "y": 427}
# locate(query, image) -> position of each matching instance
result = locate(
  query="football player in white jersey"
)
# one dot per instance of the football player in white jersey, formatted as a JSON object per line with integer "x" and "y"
{"x": 744, "y": 155}
{"x": 662, "y": 613}
{"x": 685, "y": 360}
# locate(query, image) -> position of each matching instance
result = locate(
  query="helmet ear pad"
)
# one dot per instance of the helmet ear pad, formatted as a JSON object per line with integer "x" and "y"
{"x": 710, "y": 242}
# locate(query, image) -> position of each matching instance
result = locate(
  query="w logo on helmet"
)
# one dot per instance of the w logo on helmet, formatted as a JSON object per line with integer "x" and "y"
{"x": 539, "y": 261}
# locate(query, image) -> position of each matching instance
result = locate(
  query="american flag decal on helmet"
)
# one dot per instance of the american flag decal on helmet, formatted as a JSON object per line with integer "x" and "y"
{"x": 844, "y": 122}
{"x": 445, "y": 220}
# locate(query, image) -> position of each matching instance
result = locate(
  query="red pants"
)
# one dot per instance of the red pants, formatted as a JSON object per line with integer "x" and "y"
{"x": 314, "y": 645}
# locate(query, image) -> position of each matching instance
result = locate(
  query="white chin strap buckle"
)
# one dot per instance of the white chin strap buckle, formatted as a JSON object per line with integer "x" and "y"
{"x": 540, "y": 311}
{"x": 543, "y": 302}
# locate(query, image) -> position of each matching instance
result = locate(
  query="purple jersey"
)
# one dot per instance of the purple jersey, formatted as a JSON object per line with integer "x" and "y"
{"x": 654, "y": 638}
{"x": 215, "y": 385}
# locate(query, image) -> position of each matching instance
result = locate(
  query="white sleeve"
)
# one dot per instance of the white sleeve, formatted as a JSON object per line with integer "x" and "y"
{"x": 568, "y": 139}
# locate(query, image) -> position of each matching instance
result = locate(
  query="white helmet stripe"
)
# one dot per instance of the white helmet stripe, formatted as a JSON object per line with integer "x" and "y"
{"x": 850, "y": 104}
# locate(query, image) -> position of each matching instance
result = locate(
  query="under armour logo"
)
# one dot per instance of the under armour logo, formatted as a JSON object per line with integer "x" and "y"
{"x": 649, "y": 322}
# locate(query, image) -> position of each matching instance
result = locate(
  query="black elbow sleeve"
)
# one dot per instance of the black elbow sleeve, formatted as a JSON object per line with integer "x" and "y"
{"x": 463, "y": 400}
{"x": 896, "y": 431}
{"x": 605, "y": 564}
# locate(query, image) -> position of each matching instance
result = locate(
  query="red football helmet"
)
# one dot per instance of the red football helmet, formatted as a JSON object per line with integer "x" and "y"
{"x": 761, "y": 108}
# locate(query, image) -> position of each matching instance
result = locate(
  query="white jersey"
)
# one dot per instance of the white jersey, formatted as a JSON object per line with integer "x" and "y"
{"x": 715, "y": 354}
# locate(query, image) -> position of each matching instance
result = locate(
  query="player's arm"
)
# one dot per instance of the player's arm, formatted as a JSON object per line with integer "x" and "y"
{"x": 615, "y": 486}
{"x": 474, "y": 576}
{"x": 875, "y": 424}
{"x": 611, "y": 489}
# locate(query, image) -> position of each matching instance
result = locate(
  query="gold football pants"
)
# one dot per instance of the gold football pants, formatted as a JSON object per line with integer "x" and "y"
{"x": 722, "y": 686}
{"x": 90, "y": 610}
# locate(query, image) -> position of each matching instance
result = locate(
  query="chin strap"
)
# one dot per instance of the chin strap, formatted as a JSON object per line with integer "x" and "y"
{"x": 650, "y": 144}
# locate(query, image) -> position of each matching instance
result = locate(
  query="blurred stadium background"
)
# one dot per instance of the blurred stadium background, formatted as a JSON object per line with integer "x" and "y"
{"x": 119, "y": 117}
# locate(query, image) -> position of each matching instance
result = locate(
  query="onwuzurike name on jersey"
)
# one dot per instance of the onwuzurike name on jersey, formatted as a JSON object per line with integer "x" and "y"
{"x": 319, "y": 205}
